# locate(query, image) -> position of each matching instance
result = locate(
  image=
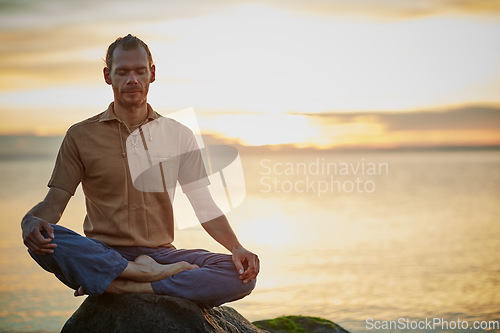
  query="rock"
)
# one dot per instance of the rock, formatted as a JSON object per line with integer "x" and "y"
{"x": 299, "y": 324}
{"x": 153, "y": 313}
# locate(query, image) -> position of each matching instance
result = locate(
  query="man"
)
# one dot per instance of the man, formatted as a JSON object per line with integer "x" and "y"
{"x": 128, "y": 248}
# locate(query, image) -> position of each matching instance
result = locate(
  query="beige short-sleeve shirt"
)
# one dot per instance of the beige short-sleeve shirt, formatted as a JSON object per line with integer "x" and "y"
{"x": 94, "y": 154}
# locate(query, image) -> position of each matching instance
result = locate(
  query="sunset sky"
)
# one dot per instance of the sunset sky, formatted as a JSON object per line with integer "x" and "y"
{"x": 311, "y": 73}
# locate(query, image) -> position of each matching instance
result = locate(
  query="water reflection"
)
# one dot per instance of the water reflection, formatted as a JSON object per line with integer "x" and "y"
{"x": 424, "y": 244}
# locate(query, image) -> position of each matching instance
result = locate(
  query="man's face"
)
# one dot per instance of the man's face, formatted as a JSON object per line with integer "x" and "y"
{"x": 130, "y": 76}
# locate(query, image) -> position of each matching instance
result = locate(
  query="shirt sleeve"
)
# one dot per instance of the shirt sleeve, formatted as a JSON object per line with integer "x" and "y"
{"x": 68, "y": 170}
{"x": 192, "y": 172}
{"x": 203, "y": 204}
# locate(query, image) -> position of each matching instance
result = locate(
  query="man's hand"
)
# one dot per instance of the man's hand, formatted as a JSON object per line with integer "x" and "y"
{"x": 34, "y": 239}
{"x": 37, "y": 232}
{"x": 247, "y": 264}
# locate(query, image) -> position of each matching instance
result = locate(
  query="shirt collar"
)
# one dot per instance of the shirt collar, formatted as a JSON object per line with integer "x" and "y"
{"x": 110, "y": 115}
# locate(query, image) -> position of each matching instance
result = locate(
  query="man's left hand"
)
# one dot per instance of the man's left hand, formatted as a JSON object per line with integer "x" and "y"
{"x": 247, "y": 264}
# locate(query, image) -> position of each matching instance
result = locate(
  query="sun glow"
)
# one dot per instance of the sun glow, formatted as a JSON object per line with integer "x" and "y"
{"x": 262, "y": 129}
{"x": 288, "y": 62}
{"x": 264, "y": 69}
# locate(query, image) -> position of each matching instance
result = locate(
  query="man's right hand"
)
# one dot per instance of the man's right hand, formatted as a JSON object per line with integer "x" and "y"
{"x": 34, "y": 229}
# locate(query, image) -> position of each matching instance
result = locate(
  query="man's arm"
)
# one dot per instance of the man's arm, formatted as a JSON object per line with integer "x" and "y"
{"x": 40, "y": 218}
{"x": 246, "y": 262}
{"x": 216, "y": 224}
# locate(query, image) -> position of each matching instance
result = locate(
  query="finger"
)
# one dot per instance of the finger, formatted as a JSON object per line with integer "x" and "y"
{"x": 256, "y": 267}
{"x": 48, "y": 229}
{"x": 252, "y": 276}
{"x": 37, "y": 243}
{"x": 31, "y": 246}
{"x": 41, "y": 249}
{"x": 34, "y": 241}
{"x": 44, "y": 251}
{"x": 252, "y": 270}
{"x": 42, "y": 241}
{"x": 48, "y": 246}
{"x": 257, "y": 264}
{"x": 37, "y": 249}
{"x": 238, "y": 265}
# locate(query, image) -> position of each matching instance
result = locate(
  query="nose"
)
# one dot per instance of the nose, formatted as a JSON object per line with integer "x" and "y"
{"x": 131, "y": 79}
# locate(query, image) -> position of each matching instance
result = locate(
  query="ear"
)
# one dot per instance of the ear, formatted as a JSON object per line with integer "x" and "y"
{"x": 153, "y": 74}
{"x": 107, "y": 73}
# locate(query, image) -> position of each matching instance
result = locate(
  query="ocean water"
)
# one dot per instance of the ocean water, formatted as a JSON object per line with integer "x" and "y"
{"x": 355, "y": 237}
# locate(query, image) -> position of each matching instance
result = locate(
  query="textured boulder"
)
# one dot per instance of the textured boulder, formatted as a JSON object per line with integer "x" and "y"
{"x": 153, "y": 313}
{"x": 299, "y": 324}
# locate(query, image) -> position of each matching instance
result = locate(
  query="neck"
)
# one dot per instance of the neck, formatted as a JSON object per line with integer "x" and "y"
{"x": 131, "y": 116}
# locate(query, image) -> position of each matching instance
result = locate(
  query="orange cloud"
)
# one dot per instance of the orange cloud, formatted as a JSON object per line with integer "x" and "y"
{"x": 473, "y": 125}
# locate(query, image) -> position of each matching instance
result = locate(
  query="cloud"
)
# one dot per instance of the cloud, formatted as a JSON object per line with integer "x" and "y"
{"x": 465, "y": 118}
{"x": 42, "y": 42}
{"x": 269, "y": 66}
{"x": 50, "y": 56}
{"x": 28, "y": 13}
{"x": 469, "y": 118}
{"x": 388, "y": 9}
{"x": 485, "y": 6}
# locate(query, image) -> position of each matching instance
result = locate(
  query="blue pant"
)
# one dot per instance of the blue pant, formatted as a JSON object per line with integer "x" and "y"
{"x": 82, "y": 261}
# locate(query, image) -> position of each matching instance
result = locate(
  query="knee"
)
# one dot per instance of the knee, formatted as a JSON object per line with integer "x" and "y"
{"x": 47, "y": 262}
{"x": 224, "y": 290}
{"x": 247, "y": 288}
{"x": 238, "y": 290}
{"x": 250, "y": 286}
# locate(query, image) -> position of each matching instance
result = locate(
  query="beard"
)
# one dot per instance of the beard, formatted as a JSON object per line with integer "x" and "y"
{"x": 128, "y": 100}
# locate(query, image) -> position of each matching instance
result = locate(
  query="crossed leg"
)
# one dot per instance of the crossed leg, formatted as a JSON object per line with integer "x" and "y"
{"x": 102, "y": 269}
{"x": 139, "y": 273}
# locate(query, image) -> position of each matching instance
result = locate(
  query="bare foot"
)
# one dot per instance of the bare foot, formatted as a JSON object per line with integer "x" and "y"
{"x": 80, "y": 291}
{"x": 137, "y": 275}
{"x": 146, "y": 269}
{"x": 121, "y": 286}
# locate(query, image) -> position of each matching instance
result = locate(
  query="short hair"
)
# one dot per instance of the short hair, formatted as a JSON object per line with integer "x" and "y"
{"x": 127, "y": 43}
